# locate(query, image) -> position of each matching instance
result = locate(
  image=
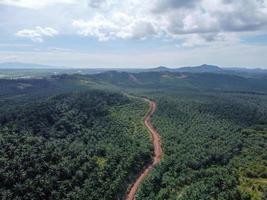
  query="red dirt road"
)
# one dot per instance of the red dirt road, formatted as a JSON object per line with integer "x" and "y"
{"x": 157, "y": 150}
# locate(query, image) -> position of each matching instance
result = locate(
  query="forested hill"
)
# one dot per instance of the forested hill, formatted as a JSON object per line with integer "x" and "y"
{"x": 80, "y": 136}
{"x": 73, "y": 145}
{"x": 213, "y": 131}
{"x": 180, "y": 80}
{"x": 142, "y": 80}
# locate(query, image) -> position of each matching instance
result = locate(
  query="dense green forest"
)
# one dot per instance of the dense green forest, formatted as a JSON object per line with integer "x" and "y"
{"x": 68, "y": 137}
{"x": 214, "y": 145}
{"x": 213, "y": 129}
{"x": 77, "y": 145}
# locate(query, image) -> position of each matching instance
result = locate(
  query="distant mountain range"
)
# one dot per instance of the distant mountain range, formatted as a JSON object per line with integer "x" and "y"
{"x": 205, "y": 68}
{"x": 210, "y": 69}
{"x": 196, "y": 69}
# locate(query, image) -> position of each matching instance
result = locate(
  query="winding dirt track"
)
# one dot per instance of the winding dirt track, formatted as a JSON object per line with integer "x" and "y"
{"x": 157, "y": 150}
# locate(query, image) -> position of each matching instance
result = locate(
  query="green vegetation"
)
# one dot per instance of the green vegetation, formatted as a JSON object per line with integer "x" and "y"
{"x": 202, "y": 119}
{"x": 207, "y": 150}
{"x": 251, "y": 164}
{"x": 85, "y": 145}
{"x": 66, "y": 137}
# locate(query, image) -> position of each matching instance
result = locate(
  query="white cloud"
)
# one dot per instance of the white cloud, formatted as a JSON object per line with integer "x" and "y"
{"x": 173, "y": 19}
{"x": 216, "y": 16}
{"x": 118, "y": 25}
{"x": 37, "y": 33}
{"x": 192, "y": 40}
{"x": 98, "y": 27}
{"x": 35, "y": 4}
{"x": 197, "y": 22}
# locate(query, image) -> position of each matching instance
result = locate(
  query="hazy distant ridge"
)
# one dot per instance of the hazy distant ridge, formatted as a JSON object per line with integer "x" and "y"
{"x": 209, "y": 69}
{"x": 205, "y": 68}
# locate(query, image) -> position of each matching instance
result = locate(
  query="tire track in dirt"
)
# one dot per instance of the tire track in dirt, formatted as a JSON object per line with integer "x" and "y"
{"x": 157, "y": 150}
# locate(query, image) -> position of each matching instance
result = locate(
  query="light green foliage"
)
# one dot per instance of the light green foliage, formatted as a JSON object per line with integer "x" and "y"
{"x": 202, "y": 135}
{"x": 252, "y": 163}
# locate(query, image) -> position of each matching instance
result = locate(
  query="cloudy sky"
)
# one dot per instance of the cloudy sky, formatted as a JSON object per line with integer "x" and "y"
{"x": 134, "y": 33}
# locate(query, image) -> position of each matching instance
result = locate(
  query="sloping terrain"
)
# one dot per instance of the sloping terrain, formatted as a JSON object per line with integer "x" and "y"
{"x": 92, "y": 143}
{"x": 75, "y": 145}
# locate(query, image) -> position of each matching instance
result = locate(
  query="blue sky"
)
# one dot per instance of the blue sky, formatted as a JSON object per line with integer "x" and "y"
{"x": 134, "y": 33}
